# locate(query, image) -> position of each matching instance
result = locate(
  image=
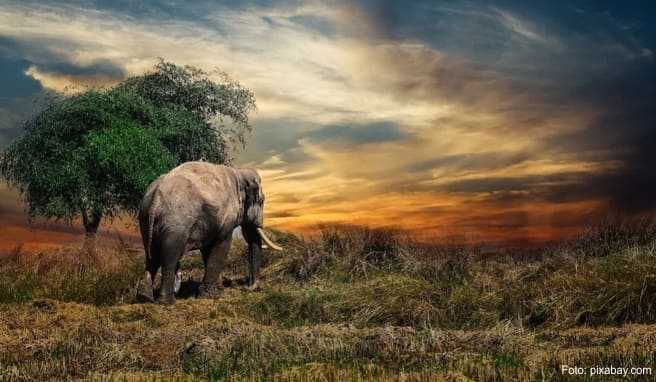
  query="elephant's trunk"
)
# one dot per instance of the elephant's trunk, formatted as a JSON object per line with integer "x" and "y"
{"x": 267, "y": 240}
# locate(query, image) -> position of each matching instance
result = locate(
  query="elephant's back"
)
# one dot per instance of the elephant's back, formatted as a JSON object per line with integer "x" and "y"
{"x": 198, "y": 186}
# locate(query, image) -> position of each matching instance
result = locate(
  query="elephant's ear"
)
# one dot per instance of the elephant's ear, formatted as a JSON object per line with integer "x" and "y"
{"x": 250, "y": 193}
{"x": 251, "y": 185}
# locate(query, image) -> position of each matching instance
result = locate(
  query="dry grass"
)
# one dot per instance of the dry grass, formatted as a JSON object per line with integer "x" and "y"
{"x": 100, "y": 277}
{"x": 354, "y": 305}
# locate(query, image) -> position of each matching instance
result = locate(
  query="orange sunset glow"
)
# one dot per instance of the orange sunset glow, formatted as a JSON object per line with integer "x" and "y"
{"x": 498, "y": 123}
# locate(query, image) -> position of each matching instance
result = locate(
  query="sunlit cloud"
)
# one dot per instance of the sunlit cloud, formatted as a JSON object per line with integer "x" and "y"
{"x": 520, "y": 27}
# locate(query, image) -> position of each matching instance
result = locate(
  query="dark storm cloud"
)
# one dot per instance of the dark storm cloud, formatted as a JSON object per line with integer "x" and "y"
{"x": 543, "y": 186}
{"x": 539, "y": 48}
{"x": 470, "y": 29}
{"x": 46, "y": 55}
{"x": 586, "y": 55}
{"x": 618, "y": 84}
{"x": 13, "y": 79}
{"x": 624, "y": 132}
{"x": 36, "y": 51}
{"x": 358, "y": 134}
{"x": 485, "y": 29}
{"x": 101, "y": 68}
{"x": 19, "y": 91}
{"x": 618, "y": 188}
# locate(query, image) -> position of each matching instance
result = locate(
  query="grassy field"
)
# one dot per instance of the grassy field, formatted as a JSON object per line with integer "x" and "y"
{"x": 354, "y": 305}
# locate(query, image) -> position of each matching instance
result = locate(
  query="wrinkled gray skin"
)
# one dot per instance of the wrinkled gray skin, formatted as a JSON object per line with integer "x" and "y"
{"x": 197, "y": 205}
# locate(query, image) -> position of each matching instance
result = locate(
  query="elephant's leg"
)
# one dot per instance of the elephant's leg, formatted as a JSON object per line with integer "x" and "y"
{"x": 214, "y": 259}
{"x": 145, "y": 289}
{"x": 171, "y": 251}
{"x": 254, "y": 255}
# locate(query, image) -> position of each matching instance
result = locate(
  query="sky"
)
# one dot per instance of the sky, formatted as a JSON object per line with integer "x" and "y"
{"x": 498, "y": 121}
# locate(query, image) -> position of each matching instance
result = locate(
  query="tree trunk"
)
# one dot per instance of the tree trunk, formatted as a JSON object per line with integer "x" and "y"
{"x": 91, "y": 223}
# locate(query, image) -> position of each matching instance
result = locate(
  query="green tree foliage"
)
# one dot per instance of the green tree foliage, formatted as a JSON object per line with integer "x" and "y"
{"x": 94, "y": 153}
{"x": 191, "y": 89}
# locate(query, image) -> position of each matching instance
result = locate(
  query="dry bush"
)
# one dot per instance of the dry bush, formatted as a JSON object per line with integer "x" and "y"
{"x": 614, "y": 235}
{"x": 370, "y": 277}
{"x": 102, "y": 277}
{"x": 346, "y": 251}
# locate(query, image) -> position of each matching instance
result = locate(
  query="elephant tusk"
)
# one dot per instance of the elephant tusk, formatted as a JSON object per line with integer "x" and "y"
{"x": 178, "y": 282}
{"x": 268, "y": 241}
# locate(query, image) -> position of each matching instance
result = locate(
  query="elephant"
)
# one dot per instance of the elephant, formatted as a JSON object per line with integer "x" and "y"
{"x": 197, "y": 205}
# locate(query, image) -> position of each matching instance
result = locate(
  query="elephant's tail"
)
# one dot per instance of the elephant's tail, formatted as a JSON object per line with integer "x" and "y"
{"x": 152, "y": 212}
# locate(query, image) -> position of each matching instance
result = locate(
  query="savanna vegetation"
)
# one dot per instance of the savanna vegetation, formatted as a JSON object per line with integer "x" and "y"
{"x": 353, "y": 304}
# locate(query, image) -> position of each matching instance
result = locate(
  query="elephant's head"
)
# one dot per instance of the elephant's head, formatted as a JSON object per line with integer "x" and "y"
{"x": 253, "y": 216}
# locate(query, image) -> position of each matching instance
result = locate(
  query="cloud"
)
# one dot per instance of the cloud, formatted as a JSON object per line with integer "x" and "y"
{"x": 358, "y": 134}
{"x": 477, "y": 116}
{"x": 319, "y": 24}
{"x": 45, "y": 63}
{"x": 15, "y": 83}
{"x": 620, "y": 133}
{"x": 470, "y": 161}
{"x": 69, "y": 83}
{"x": 13, "y": 111}
{"x": 519, "y": 27}
{"x": 16, "y": 95}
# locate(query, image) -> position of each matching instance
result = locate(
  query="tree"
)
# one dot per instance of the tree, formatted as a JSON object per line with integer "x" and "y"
{"x": 191, "y": 89}
{"x": 92, "y": 155}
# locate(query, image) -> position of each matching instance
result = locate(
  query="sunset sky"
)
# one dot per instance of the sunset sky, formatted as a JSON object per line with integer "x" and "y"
{"x": 498, "y": 121}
